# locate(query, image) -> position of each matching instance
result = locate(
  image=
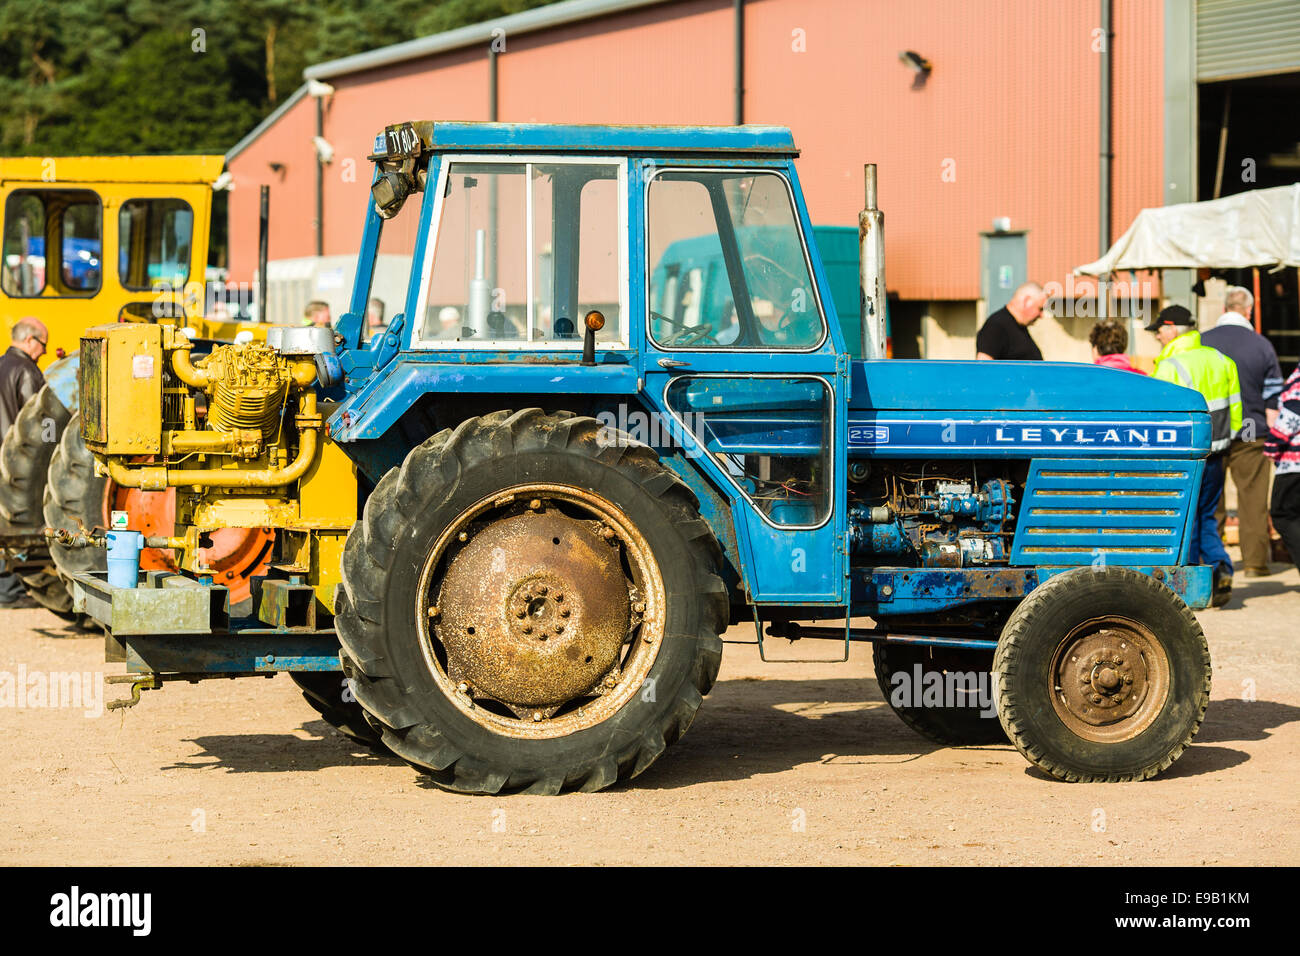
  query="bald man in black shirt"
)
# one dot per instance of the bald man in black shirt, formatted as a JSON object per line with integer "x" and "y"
{"x": 1005, "y": 334}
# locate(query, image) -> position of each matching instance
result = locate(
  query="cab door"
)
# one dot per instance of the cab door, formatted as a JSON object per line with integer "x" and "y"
{"x": 742, "y": 359}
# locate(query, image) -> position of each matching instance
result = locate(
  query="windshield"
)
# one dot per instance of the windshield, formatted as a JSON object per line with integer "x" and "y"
{"x": 728, "y": 268}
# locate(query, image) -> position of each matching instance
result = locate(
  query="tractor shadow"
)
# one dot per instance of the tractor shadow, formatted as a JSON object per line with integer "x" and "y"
{"x": 278, "y": 753}
{"x": 751, "y": 727}
{"x": 1226, "y": 721}
{"x": 1249, "y": 589}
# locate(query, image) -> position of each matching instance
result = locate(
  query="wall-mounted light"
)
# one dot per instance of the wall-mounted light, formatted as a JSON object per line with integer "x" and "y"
{"x": 918, "y": 64}
{"x": 324, "y": 151}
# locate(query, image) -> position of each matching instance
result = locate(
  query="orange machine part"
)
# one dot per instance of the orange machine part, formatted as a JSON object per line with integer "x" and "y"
{"x": 237, "y": 555}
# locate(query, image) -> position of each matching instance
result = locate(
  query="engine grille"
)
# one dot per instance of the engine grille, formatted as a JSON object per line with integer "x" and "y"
{"x": 1121, "y": 512}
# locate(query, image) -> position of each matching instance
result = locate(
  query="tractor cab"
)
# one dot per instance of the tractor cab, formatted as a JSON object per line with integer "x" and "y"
{"x": 687, "y": 261}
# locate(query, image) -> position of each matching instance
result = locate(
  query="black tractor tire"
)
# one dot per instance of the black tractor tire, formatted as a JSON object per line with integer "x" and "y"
{"x": 74, "y": 500}
{"x": 328, "y": 694}
{"x": 1109, "y": 631}
{"x": 446, "y": 478}
{"x": 954, "y": 724}
{"x": 25, "y": 457}
{"x": 50, "y": 591}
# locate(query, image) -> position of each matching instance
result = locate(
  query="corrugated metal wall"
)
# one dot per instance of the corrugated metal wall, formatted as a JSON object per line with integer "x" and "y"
{"x": 1007, "y": 124}
{"x": 1239, "y": 38}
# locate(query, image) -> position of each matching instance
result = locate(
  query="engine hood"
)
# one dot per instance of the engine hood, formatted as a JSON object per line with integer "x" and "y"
{"x": 1013, "y": 388}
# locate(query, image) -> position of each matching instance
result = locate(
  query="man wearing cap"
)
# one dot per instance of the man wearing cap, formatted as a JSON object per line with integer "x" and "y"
{"x": 1185, "y": 361}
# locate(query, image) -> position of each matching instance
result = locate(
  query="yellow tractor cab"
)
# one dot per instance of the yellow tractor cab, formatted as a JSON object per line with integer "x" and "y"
{"x": 93, "y": 239}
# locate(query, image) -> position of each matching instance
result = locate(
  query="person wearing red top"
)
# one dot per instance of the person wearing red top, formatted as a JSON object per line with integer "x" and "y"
{"x": 1109, "y": 340}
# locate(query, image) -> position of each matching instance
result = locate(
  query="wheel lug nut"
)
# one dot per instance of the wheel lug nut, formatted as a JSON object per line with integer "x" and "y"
{"x": 610, "y": 682}
{"x": 463, "y": 687}
{"x": 542, "y": 590}
{"x": 520, "y": 613}
{"x": 462, "y": 537}
{"x": 559, "y": 629}
{"x": 565, "y": 612}
{"x": 528, "y": 629}
{"x": 535, "y": 504}
{"x": 537, "y": 715}
{"x": 434, "y": 612}
{"x": 639, "y": 607}
{"x": 559, "y": 595}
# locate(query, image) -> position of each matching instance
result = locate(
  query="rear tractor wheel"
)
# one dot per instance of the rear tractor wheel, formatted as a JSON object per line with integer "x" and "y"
{"x": 529, "y": 606}
{"x": 329, "y": 694}
{"x": 945, "y": 694}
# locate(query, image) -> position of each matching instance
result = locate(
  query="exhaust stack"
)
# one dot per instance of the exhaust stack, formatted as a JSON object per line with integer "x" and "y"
{"x": 871, "y": 265}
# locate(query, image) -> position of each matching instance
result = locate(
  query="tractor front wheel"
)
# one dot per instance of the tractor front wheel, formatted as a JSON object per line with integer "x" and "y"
{"x": 531, "y": 604}
{"x": 1102, "y": 675}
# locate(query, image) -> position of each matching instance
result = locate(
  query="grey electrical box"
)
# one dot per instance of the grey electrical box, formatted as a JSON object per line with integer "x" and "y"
{"x": 1003, "y": 268}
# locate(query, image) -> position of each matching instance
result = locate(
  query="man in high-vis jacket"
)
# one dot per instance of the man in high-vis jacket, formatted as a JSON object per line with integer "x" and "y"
{"x": 1185, "y": 361}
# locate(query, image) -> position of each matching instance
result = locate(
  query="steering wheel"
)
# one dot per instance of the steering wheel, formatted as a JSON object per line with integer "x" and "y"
{"x": 694, "y": 335}
{"x": 686, "y": 334}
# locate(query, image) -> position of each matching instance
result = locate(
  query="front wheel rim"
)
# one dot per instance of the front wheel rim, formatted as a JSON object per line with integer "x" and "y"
{"x": 541, "y": 611}
{"x": 1111, "y": 678}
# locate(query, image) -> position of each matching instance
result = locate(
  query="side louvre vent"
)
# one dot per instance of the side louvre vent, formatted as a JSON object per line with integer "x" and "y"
{"x": 1125, "y": 512}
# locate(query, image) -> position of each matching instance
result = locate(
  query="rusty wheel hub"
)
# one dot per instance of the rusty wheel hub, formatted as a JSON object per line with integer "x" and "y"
{"x": 542, "y": 610}
{"x": 1111, "y": 680}
{"x": 535, "y": 610}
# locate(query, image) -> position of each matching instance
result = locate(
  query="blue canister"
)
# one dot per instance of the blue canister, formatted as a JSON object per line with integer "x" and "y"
{"x": 124, "y": 558}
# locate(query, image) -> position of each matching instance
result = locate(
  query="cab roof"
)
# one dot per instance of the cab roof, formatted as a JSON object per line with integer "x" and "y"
{"x": 56, "y": 170}
{"x": 636, "y": 140}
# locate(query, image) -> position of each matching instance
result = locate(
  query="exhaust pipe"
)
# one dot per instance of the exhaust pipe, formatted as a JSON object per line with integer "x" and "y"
{"x": 871, "y": 266}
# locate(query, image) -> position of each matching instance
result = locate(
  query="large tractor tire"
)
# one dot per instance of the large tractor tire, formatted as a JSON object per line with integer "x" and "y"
{"x": 25, "y": 456}
{"x": 917, "y": 682}
{"x": 1103, "y": 675}
{"x": 77, "y": 498}
{"x": 531, "y": 604}
{"x": 329, "y": 695}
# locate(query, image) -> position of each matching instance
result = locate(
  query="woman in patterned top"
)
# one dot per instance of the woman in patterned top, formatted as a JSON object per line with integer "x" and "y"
{"x": 1283, "y": 446}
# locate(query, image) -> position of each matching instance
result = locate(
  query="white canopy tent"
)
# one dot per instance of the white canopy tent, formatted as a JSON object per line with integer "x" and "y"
{"x": 1257, "y": 228}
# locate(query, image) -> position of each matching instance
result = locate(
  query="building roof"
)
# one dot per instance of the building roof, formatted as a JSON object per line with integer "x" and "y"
{"x": 473, "y": 137}
{"x": 267, "y": 123}
{"x": 539, "y": 18}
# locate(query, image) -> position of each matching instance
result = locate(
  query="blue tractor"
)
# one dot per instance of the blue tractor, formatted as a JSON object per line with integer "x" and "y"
{"x": 521, "y": 519}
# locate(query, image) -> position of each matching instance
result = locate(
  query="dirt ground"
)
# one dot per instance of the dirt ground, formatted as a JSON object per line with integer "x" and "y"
{"x": 797, "y": 763}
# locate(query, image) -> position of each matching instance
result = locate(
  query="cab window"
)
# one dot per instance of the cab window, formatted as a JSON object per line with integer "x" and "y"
{"x": 154, "y": 238}
{"x": 53, "y": 243}
{"x": 727, "y": 265}
{"x": 524, "y": 252}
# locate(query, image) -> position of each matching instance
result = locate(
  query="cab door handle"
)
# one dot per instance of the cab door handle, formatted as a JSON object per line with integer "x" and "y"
{"x": 673, "y": 363}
